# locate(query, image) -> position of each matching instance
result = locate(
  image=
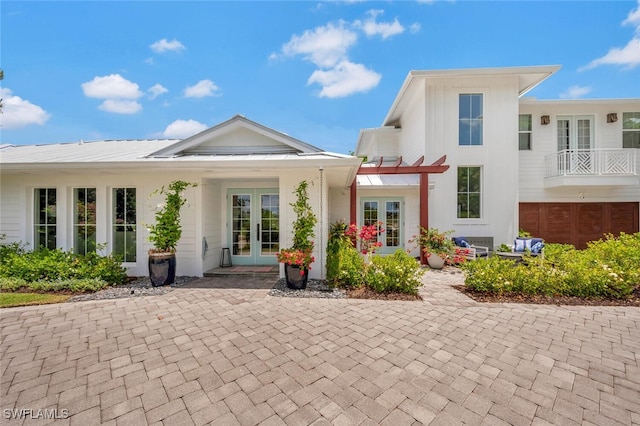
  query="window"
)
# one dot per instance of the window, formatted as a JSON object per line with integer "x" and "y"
{"x": 470, "y": 119}
{"x": 84, "y": 220}
{"x": 631, "y": 129}
{"x": 388, "y": 211}
{"x": 124, "y": 223}
{"x": 575, "y": 132}
{"x": 469, "y": 192}
{"x": 45, "y": 218}
{"x": 524, "y": 132}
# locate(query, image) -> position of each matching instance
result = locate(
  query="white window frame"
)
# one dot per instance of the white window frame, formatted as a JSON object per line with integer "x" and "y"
{"x": 480, "y": 195}
{"x": 476, "y": 120}
{"x": 382, "y": 213}
{"x": 525, "y": 132}
{"x": 112, "y": 201}
{"x": 636, "y": 115}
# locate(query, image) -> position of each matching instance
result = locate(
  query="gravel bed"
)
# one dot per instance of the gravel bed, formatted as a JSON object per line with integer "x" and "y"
{"x": 317, "y": 289}
{"x": 138, "y": 287}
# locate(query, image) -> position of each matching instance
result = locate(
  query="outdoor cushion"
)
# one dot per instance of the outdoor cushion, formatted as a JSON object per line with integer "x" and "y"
{"x": 461, "y": 242}
{"x": 534, "y": 245}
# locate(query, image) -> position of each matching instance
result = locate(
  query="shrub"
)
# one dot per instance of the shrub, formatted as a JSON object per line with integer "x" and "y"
{"x": 11, "y": 283}
{"x": 607, "y": 268}
{"x": 396, "y": 273}
{"x": 337, "y": 241}
{"x": 351, "y": 268}
{"x": 75, "y": 285}
{"x": 53, "y": 265}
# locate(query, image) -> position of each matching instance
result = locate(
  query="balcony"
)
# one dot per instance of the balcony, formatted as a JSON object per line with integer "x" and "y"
{"x": 592, "y": 167}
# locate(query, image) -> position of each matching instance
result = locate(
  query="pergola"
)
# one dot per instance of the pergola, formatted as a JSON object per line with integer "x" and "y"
{"x": 438, "y": 166}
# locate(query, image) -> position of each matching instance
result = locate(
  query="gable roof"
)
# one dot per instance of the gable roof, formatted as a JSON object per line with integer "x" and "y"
{"x": 528, "y": 78}
{"x": 236, "y": 136}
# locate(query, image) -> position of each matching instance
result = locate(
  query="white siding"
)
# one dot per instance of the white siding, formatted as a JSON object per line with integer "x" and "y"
{"x": 544, "y": 142}
{"x": 498, "y": 156}
{"x": 17, "y": 222}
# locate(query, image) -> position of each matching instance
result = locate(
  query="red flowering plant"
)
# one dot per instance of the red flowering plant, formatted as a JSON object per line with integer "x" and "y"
{"x": 367, "y": 236}
{"x": 297, "y": 257}
{"x": 459, "y": 256}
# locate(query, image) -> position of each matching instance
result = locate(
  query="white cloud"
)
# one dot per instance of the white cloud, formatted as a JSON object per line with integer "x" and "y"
{"x": 415, "y": 28}
{"x": 344, "y": 79}
{"x": 575, "y": 92}
{"x": 627, "y": 56}
{"x": 384, "y": 29}
{"x": 325, "y": 46}
{"x": 181, "y": 129}
{"x": 18, "y": 112}
{"x": 119, "y": 93}
{"x": 164, "y": 45}
{"x": 633, "y": 18}
{"x": 120, "y": 106}
{"x": 111, "y": 87}
{"x": 201, "y": 89}
{"x": 156, "y": 90}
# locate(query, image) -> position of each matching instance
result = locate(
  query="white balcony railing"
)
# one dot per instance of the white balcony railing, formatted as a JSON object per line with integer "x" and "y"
{"x": 592, "y": 162}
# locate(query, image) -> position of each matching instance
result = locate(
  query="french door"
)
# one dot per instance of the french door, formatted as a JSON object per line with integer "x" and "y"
{"x": 254, "y": 229}
{"x": 575, "y": 143}
{"x": 387, "y": 212}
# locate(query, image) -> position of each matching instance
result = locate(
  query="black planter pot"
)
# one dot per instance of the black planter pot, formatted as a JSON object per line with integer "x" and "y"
{"x": 162, "y": 268}
{"x": 296, "y": 280}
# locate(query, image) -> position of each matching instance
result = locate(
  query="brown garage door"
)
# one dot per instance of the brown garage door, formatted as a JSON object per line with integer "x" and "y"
{"x": 577, "y": 223}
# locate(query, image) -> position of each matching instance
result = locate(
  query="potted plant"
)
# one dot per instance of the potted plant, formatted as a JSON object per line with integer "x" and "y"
{"x": 166, "y": 232}
{"x": 298, "y": 258}
{"x": 436, "y": 246}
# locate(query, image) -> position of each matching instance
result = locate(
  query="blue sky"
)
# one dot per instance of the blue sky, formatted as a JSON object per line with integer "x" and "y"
{"x": 318, "y": 71}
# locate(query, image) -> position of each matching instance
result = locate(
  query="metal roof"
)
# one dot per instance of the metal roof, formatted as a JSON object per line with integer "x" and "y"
{"x": 82, "y": 152}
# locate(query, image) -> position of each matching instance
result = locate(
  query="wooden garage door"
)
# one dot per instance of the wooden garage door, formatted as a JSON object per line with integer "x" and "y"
{"x": 577, "y": 223}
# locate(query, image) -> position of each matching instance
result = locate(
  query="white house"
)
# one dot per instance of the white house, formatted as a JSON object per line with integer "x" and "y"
{"x": 566, "y": 171}
{"x": 69, "y": 195}
{"x": 459, "y": 150}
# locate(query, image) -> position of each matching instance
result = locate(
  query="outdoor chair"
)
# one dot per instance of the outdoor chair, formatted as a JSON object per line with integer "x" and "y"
{"x": 473, "y": 251}
{"x": 533, "y": 246}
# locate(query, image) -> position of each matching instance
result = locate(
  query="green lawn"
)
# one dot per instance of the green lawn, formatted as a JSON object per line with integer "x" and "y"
{"x": 8, "y": 300}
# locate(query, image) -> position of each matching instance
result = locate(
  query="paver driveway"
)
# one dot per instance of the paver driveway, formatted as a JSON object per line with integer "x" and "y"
{"x": 234, "y": 356}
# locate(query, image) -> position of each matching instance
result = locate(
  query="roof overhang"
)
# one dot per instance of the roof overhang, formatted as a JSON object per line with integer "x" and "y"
{"x": 528, "y": 78}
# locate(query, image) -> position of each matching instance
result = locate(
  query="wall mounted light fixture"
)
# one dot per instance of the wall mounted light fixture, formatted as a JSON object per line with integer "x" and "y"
{"x": 612, "y": 117}
{"x": 544, "y": 120}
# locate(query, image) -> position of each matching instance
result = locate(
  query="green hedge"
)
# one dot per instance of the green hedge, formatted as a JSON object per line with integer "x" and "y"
{"x": 608, "y": 268}
{"x": 397, "y": 273}
{"x": 75, "y": 285}
{"x": 58, "y": 265}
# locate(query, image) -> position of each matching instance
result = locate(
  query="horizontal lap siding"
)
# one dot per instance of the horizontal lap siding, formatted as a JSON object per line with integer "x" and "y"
{"x": 578, "y": 223}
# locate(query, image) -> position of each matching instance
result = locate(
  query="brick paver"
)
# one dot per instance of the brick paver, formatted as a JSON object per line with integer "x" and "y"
{"x": 238, "y": 356}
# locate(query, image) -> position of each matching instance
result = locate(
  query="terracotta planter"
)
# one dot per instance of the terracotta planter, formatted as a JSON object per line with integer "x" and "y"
{"x": 295, "y": 279}
{"x": 162, "y": 268}
{"x": 435, "y": 261}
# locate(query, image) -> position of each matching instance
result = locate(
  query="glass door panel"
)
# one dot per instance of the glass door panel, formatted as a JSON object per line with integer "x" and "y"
{"x": 255, "y": 226}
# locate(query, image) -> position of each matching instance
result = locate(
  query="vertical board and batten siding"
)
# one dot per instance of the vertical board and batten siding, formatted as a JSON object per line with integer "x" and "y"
{"x": 497, "y": 156}
{"x": 411, "y": 140}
